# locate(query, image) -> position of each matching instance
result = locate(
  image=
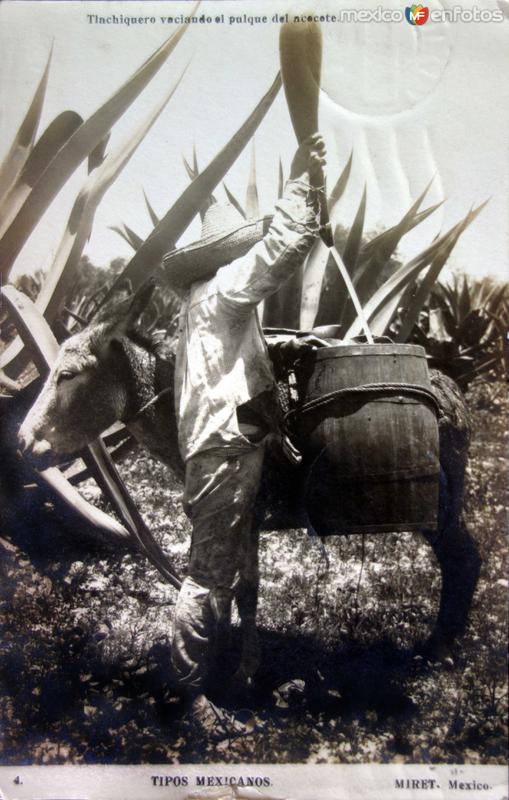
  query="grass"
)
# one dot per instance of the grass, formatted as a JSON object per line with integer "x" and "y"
{"x": 85, "y": 636}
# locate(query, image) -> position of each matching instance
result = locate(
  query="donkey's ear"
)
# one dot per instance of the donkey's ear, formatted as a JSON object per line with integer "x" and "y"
{"x": 139, "y": 303}
{"x": 120, "y": 314}
{"x": 122, "y": 317}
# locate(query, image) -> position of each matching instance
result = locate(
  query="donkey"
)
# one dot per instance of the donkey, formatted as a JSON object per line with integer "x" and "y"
{"x": 109, "y": 372}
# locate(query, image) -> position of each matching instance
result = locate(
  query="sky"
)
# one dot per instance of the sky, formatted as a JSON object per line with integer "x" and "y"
{"x": 413, "y": 103}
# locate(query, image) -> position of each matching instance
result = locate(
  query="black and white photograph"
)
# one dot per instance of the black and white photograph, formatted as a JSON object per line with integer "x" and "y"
{"x": 254, "y": 341}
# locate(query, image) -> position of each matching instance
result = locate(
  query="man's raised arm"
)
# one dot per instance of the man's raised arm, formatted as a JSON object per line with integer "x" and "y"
{"x": 294, "y": 228}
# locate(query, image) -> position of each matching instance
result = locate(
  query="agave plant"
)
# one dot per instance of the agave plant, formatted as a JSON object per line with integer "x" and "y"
{"x": 321, "y": 293}
{"x": 361, "y": 270}
{"x": 31, "y": 176}
{"x": 464, "y": 328}
{"x": 34, "y": 171}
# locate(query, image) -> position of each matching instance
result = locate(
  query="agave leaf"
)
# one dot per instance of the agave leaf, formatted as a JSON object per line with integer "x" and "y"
{"x": 98, "y": 154}
{"x": 25, "y": 137}
{"x": 444, "y": 299}
{"x": 354, "y": 241}
{"x": 494, "y": 303}
{"x": 464, "y": 300}
{"x": 371, "y": 256}
{"x": 361, "y": 316}
{"x": 422, "y": 215}
{"x": 128, "y": 234}
{"x": 53, "y": 138}
{"x": 398, "y": 282}
{"x": 63, "y": 269}
{"x": 340, "y": 185}
{"x": 152, "y": 214}
{"x": 333, "y": 295}
{"x": 252, "y": 202}
{"x": 174, "y": 223}
{"x": 482, "y": 292}
{"x": 450, "y": 321}
{"x": 382, "y": 306}
{"x": 233, "y": 200}
{"x": 314, "y": 271}
{"x": 120, "y": 229}
{"x": 421, "y": 295}
{"x": 437, "y": 326}
{"x": 281, "y": 180}
{"x": 382, "y": 247}
{"x": 382, "y": 318}
{"x": 134, "y": 239}
{"x": 80, "y": 144}
{"x": 500, "y": 290}
{"x": 367, "y": 273}
{"x": 429, "y": 280}
{"x": 195, "y": 162}
{"x": 495, "y": 332}
{"x": 91, "y": 304}
{"x": 193, "y": 172}
{"x": 318, "y": 259}
{"x": 450, "y": 293}
{"x": 474, "y": 329}
{"x": 62, "y": 272}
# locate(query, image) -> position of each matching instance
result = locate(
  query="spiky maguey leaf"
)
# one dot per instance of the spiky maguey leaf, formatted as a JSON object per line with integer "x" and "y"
{"x": 82, "y": 142}
{"x": 180, "y": 215}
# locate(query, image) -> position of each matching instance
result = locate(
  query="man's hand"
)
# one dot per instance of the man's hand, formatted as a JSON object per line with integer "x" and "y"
{"x": 302, "y": 343}
{"x": 309, "y": 160}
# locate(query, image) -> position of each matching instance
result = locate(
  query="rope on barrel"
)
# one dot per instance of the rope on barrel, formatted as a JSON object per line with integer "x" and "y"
{"x": 408, "y": 389}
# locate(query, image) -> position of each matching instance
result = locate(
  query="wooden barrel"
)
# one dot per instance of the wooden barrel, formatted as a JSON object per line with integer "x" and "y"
{"x": 367, "y": 427}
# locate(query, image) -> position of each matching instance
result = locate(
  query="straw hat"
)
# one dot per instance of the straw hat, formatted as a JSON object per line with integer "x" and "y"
{"x": 225, "y": 236}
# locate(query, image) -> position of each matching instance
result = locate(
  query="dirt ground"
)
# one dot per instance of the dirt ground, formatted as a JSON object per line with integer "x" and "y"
{"x": 85, "y": 640}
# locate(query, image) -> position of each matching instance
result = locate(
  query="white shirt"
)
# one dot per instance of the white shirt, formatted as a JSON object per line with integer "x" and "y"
{"x": 222, "y": 359}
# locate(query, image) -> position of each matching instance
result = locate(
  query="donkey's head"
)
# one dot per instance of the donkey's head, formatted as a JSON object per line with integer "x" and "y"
{"x": 89, "y": 386}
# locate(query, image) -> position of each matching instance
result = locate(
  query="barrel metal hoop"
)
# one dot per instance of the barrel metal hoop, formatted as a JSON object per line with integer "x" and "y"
{"x": 408, "y": 389}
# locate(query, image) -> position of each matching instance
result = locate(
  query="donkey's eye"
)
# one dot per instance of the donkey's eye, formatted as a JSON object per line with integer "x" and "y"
{"x": 65, "y": 375}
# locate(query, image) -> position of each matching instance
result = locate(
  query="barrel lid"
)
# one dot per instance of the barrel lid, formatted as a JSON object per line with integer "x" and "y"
{"x": 368, "y": 350}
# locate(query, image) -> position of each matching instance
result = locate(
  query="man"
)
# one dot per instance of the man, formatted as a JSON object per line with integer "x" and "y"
{"x": 226, "y": 407}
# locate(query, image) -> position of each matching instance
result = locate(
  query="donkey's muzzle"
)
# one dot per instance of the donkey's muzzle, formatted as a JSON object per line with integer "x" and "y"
{"x": 38, "y": 451}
